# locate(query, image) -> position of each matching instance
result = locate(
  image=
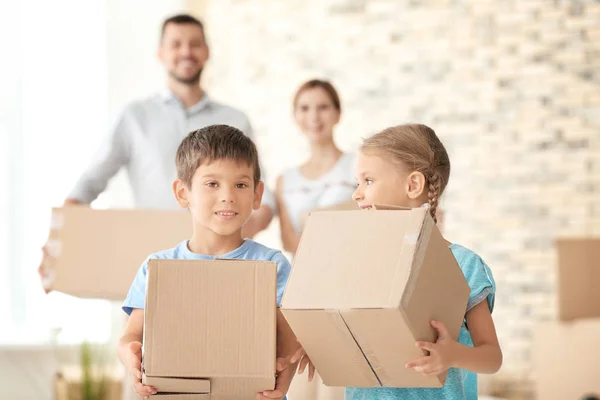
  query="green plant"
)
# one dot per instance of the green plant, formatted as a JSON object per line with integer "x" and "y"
{"x": 93, "y": 373}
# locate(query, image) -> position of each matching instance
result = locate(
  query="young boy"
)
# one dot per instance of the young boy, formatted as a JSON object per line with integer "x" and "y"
{"x": 218, "y": 181}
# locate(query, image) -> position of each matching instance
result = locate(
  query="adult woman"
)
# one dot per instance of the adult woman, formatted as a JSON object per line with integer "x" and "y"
{"x": 326, "y": 179}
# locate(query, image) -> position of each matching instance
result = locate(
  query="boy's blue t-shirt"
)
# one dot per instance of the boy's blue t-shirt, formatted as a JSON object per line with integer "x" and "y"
{"x": 460, "y": 384}
{"x": 249, "y": 250}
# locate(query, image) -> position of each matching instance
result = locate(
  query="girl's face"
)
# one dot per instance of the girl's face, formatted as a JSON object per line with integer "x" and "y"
{"x": 316, "y": 115}
{"x": 382, "y": 182}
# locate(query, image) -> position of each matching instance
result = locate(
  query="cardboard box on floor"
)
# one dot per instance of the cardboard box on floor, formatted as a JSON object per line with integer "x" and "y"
{"x": 578, "y": 278}
{"x": 566, "y": 360}
{"x": 363, "y": 289}
{"x": 98, "y": 252}
{"x": 210, "y": 327}
{"x": 68, "y": 384}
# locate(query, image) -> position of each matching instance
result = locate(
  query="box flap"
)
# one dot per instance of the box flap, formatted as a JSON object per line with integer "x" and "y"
{"x": 177, "y": 385}
{"x": 210, "y": 319}
{"x": 388, "y": 207}
{"x": 331, "y": 347}
{"x": 578, "y": 278}
{"x": 336, "y": 249}
{"x": 96, "y": 255}
{"x": 388, "y": 344}
{"x": 436, "y": 289}
{"x": 347, "y": 205}
{"x": 563, "y": 367}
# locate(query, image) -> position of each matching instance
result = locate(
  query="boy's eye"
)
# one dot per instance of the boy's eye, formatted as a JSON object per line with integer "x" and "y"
{"x": 211, "y": 184}
{"x": 368, "y": 181}
{"x": 241, "y": 186}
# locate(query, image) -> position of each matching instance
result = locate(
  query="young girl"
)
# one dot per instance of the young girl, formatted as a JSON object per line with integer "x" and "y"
{"x": 408, "y": 166}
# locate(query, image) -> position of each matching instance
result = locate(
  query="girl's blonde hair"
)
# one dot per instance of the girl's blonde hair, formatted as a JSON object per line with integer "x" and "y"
{"x": 418, "y": 148}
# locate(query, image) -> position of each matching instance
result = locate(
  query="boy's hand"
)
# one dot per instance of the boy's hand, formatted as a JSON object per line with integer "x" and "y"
{"x": 441, "y": 353}
{"x": 301, "y": 356}
{"x": 282, "y": 383}
{"x": 304, "y": 362}
{"x": 134, "y": 368}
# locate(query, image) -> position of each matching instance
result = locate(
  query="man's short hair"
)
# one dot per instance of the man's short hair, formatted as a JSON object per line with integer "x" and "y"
{"x": 181, "y": 19}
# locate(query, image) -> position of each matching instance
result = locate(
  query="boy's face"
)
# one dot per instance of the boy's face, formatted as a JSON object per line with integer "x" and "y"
{"x": 222, "y": 196}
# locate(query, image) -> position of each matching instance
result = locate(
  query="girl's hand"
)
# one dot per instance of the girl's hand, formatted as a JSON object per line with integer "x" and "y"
{"x": 442, "y": 353}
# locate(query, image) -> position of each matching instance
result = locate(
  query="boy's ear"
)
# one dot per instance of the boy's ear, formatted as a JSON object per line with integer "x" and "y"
{"x": 258, "y": 194}
{"x": 181, "y": 193}
{"x": 416, "y": 185}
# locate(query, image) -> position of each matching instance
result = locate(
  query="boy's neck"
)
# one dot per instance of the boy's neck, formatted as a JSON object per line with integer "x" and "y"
{"x": 212, "y": 244}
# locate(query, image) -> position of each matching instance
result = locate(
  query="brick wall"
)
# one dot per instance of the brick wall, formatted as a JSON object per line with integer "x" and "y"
{"x": 512, "y": 88}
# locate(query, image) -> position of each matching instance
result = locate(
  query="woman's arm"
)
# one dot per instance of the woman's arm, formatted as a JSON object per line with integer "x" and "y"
{"x": 289, "y": 237}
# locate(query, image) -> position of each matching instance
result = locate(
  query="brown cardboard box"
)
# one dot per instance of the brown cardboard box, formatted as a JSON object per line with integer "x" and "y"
{"x": 363, "y": 289}
{"x": 578, "y": 278}
{"x": 98, "y": 252}
{"x": 566, "y": 360}
{"x": 68, "y": 384}
{"x": 211, "y": 320}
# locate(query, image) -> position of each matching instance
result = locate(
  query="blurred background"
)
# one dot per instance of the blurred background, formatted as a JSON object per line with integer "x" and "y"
{"x": 511, "y": 87}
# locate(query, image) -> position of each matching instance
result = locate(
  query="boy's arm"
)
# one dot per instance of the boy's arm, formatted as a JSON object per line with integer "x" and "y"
{"x": 134, "y": 332}
{"x": 130, "y": 352}
{"x": 287, "y": 345}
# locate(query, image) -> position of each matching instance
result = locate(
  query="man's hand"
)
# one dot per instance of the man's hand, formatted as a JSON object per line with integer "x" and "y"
{"x": 43, "y": 270}
{"x": 133, "y": 366}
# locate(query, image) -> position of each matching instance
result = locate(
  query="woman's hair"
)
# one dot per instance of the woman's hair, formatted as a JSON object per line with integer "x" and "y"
{"x": 325, "y": 85}
{"x": 418, "y": 148}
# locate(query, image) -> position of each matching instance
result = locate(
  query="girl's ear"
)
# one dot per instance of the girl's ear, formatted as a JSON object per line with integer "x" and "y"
{"x": 416, "y": 185}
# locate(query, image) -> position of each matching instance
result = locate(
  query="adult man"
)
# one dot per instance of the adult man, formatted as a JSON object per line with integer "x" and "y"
{"x": 147, "y": 132}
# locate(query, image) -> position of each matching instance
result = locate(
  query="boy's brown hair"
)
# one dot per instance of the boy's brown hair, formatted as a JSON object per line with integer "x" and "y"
{"x": 212, "y": 143}
{"x": 418, "y": 148}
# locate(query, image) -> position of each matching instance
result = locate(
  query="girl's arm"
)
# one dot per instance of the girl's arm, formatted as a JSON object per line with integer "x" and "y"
{"x": 485, "y": 357}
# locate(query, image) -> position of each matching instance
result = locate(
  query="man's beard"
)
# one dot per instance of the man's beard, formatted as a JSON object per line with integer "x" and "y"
{"x": 194, "y": 80}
